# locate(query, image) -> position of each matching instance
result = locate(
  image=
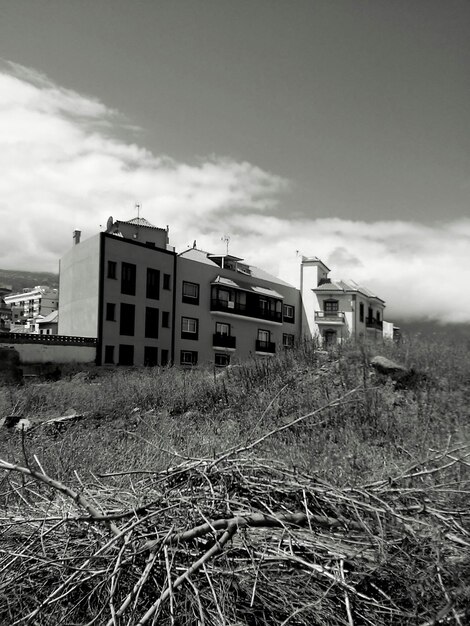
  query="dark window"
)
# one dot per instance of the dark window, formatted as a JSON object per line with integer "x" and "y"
{"x": 150, "y": 356}
{"x": 128, "y": 274}
{"x": 127, "y": 320}
{"x": 126, "y": 355}
{"x": 164, "y": 357}
{"x": 188, "y": 357}
{"x": 288, "y": 340}
{"x": 153, "y": 283}
{"x": 166, "y": 281}
{"x": 330, "y": 306}
{"x": 112, "y": 269}
{"x": 221, "y": 360}
{"x": 289, "y": 313}
{"x": 165, "y": 319}
{"x": 361, "y": 311}
{"x": 190, "y": 293}
{"x": 151, "y": 322}
{"x": 110, "y": 312}
{"x": 189, "y": 328}
{"x": 377, "y": 316}
{"x": 109, "y": 354}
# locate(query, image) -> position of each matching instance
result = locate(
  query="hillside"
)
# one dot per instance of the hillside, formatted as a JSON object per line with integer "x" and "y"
{"x": 306, "y": 489}
{"x": 19, "y": 279}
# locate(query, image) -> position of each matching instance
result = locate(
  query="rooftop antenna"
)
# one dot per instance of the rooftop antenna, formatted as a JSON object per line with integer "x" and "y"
{"x": 226, "y": 239}
{"x": 138, "y": 206}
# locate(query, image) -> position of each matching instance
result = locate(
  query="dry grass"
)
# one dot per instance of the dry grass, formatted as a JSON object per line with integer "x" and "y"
{"x": 294, "y": 491}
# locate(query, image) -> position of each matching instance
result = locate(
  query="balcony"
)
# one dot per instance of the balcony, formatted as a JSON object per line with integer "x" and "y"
{"x": 329, "y": 317}
{"x": 246, "y": 310}
{"x": 224, "y": 341}
{"x": 373, "y": 323}
{"x": 265, "y": 346}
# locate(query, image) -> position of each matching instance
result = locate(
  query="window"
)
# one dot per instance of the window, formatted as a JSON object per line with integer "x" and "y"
{"x": 288, "y": 340}
{"x": 264, "y": 336}
{"x": 151, "y": 322}
{"x": 126, "y": 355}
{"x": 221, "y": 360}
{"x": 109, "y": 354}
{"x": 165, "y": 319}
{"x": 166, "y": 281}
{"x": 188, "y": 357}
{"x": 190, "y": 293}
{"x": 189, "y": 328}
{"x": 128, "y": 275}
{"x": 330, "y": 306}
{"x": 377, "y": 316}
{"x": 361, "y": 311}
{"x": 127, "y": 320}
{"x": 153, "y": 283}
{"x": 112, "y": 269}
{"x": 110, "y": 312}
{"x": 150, "y": 356}
{"x": 164, "y": 357}
{"x": 222, "y": 329}
{"x": 289, "y": 313}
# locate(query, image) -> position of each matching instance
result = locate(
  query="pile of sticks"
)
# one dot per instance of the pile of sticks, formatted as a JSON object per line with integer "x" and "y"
{"x": 235, "y": 540}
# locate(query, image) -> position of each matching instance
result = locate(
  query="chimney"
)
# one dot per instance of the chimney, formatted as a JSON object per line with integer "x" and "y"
{"x": 76, "y": 236}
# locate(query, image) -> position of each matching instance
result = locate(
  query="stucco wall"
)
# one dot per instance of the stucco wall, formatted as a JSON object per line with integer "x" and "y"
{"x": 79, "y": 285}
{"x": 44, "y": 353}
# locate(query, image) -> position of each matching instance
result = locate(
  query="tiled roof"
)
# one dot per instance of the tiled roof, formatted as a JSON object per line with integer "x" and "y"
{"x": 201, "y": 256}
{"x": 238, "y": 284}
{"x": 342, "y": 285}
{"x": 141, "y": 221}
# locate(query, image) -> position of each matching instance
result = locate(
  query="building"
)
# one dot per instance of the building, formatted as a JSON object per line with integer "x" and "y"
{"x": 228, "y": 311}
{"x": 147, "y": 305}
{"x": 119, "y": 287}
{"x": 335, "y": 310}
{"x": 5, "y": 309}
{"x": 30, "y": 304}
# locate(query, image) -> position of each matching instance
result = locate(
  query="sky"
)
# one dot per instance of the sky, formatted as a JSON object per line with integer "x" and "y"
{"x": 330, "y": 128}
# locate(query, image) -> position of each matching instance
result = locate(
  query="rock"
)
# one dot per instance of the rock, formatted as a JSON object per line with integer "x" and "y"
{"x": 404, "y": 378}
{"x": 386, "y": 366}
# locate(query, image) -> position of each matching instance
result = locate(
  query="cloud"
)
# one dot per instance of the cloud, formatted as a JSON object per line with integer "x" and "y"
{"x": 64, "y": 167}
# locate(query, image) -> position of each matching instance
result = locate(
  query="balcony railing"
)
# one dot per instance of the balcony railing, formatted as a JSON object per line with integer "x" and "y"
{"x": 265, "y": 346}
{"x": 371, "y": 322}
{"x": 329, "y": 316}
{"x": 236, "y": 308}
{"x": 224, "y": 341}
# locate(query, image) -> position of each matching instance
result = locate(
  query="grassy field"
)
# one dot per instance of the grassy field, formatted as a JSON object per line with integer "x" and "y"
{"x": 303, "y": 489}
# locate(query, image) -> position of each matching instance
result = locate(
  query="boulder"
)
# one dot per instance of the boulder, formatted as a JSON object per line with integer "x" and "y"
{"x": 405, "y": 378}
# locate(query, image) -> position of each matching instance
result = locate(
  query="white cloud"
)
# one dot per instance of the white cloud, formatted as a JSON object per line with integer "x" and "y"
{"x": 63, "y": 167}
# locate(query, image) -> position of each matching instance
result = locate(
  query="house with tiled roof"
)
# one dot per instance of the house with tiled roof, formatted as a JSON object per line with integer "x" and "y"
{"x": 335, "y": 310}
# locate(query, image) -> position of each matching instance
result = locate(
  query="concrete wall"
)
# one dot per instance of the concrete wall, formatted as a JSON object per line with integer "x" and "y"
{"x": 79, "y": 289}
{"x": 45, "y": 353}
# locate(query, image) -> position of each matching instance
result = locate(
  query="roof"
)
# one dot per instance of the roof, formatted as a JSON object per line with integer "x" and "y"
{"x": 265, "y": 291}
{"x": 201, "y": 256}
{"x": 140, "y": 221}
{"x": 48, "y": 319}
{"x": 343, "y": 286}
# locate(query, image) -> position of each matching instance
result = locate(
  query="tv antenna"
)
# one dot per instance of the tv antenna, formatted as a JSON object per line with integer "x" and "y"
{"x": 138, "y": 206}
{"x": 226, "y": 239}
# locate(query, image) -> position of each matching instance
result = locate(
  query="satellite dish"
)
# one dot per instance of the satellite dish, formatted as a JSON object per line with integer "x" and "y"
{"x": 109, "y": 224}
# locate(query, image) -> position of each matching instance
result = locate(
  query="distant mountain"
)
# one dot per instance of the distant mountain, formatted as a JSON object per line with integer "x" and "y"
{"x": 429, "y": 330}
{"x": 20, "y": 280}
